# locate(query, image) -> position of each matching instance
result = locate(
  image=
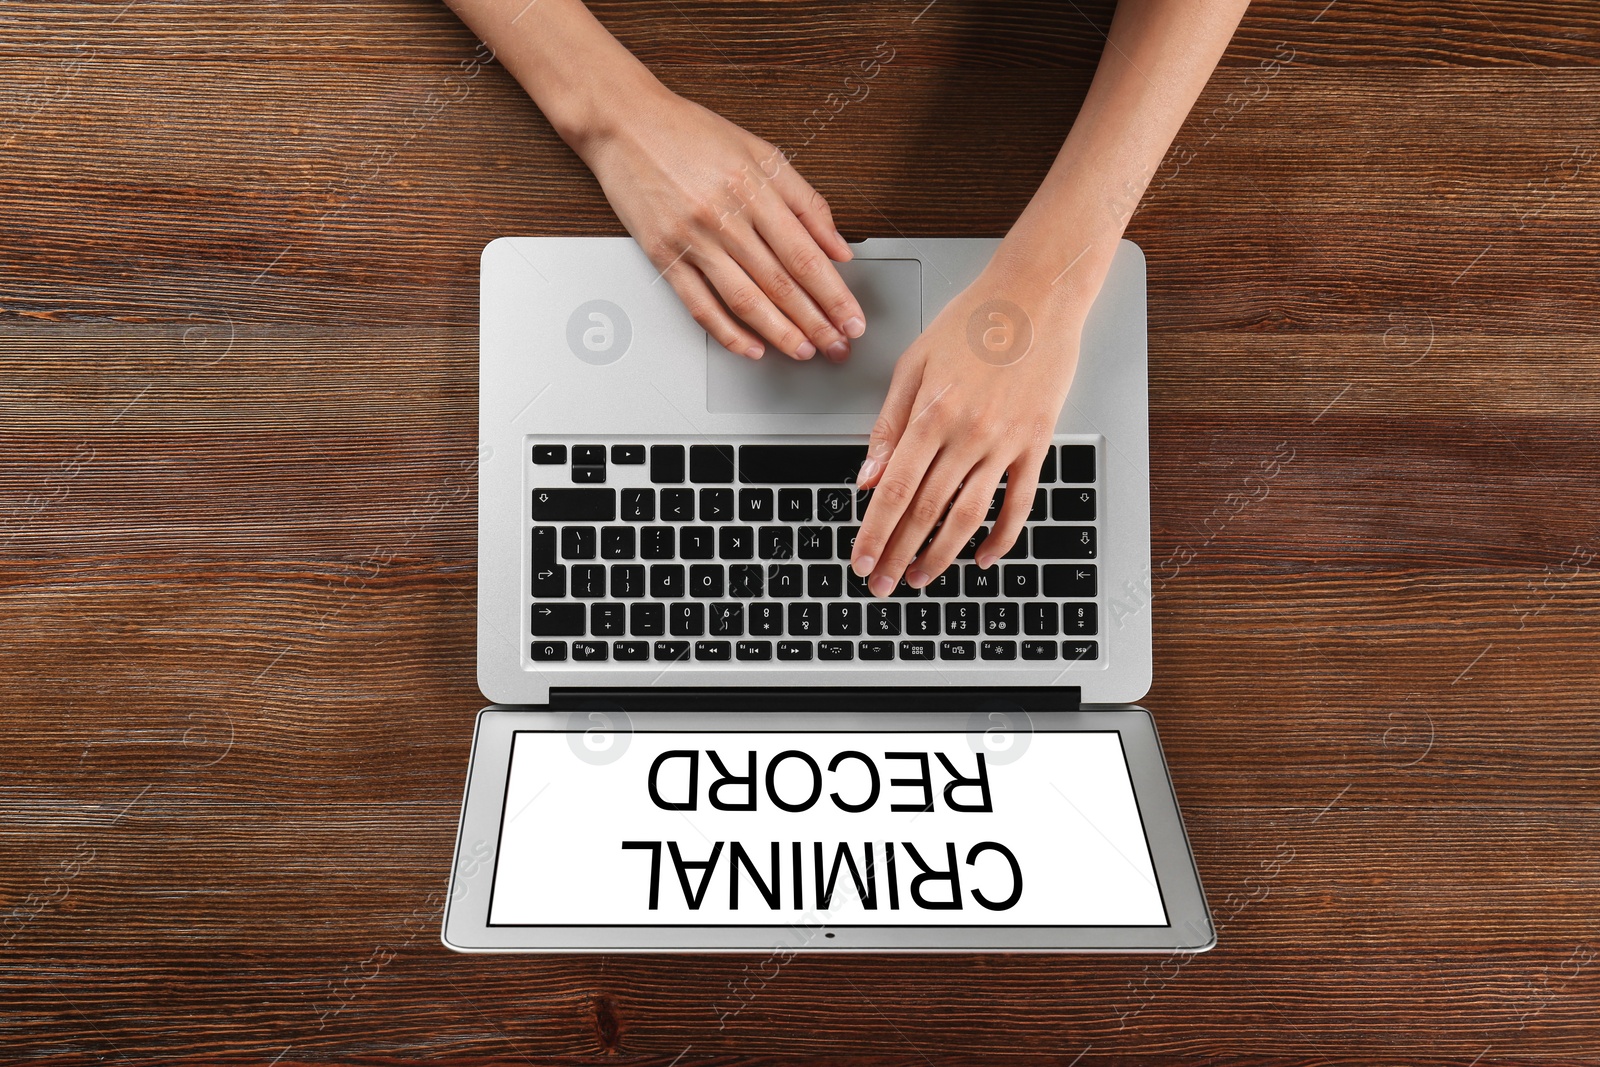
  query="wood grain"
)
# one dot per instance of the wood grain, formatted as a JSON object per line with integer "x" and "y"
{"x": 238, "y": 365}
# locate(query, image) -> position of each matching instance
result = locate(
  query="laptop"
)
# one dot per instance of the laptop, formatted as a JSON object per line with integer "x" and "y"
{"x": 707, "y": 735}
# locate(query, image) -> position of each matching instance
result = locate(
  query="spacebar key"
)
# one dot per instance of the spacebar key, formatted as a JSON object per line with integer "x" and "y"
{"x": 799, "y": 464}
{"x": 575, "y": 505}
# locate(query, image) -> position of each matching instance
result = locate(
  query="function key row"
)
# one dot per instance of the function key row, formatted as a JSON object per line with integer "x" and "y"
{"x": 770, "y": 464}
{"x": 712, "y": 651}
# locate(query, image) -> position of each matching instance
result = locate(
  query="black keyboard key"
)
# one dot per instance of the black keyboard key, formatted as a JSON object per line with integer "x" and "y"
{"x": 1082, "y": 620}
{"x": 833, "y": 505}
{"x": 995, "y": 504}
{"x": 766, "y": 619}
{"x": 546, "y": 454}
{"x": 1077, "y": 463}
{"x": 608, "y": 620}
{"x": 863, "y": 498}
{"x": 961, "y": 619}
{"x": 922, "y": 620}
{"x": 876, "y": 649}
{"x": 589, "y": 580}
{"x": 658, "y": 542}
{"x": 617, "y": 542}
{"x": 557, "y": 620}
{"x": 1072, "y": 505}
{"x": 666, "y": 580}
{"x": 1047, "y": 469}
{"x": 755, "y": 505}
{"x": 706, "y": 580}
{"x": 638, "y": 505}
{"x": 686, "y": 619}
{"x": 578, "y": 542}
{"x": 677, "y": 505}
{"x": 844, "y": 619}
{"x": 1080, "y": 650}
{"x": 736, "y": 542}
{"x": 711, "y": 463}
{"x": 753, "y": 650}
{"x": 550, "y": 582}
{"x": 592, "y": 475}
{"x": 1021, "y": 580}
{"x": 627, "y": 580}
{"x": 1065, "y": 581}
{"x": 666, "y": 463}
{"x": 824, "y": 580}
{"x": 1064, "y": 542}
{"x": 647, "y": 620}
{"x": 794, "y": 649}
{"x": 713, "y": 650}
{"x": 588, "y": 455}
{"x": 630, "y": 651}
{"x": 1041, "y": 618}
{"x": 783, "y": 580}
{"x": 956, "y": 650}
{"x": 1041, "y": 506}
{"x": 794, "y": 505}
{"x": 805, "y": 620}
{"x": 671, "y": 650}
{"x": 716, "y": 505}
{"x": 846, "y": 540}
{"x": 916, "y": 650}
{"x": 697, "y": 542}
{"x": 816, "y": 542}
{"x": 1019, "y": 547}
{"x": 628, "y": 455}
{"x": 883, "y": 618}
{"x": 855, "y": 585}
{"x": 980, "y": 582}
{"x": 901, "y": 589}
{"x": 946, "y": 583}
{"x": 590, "y": 650}
{"x": 575, "y": 505}
{"x": 1000, "y": 617}
{"x": 548, "y": 651}
{"x": 969, "y": 550}
{"x": 544, "y": 546}
{"x": 775, "y": 542}
{"x": 836, "y": 649}
{"x": 1038, "y": 650}
{"x": 788, "y": 464}
{"x": 744, "y": 580}
{"x": 727, "y": 620}
{"x": 998, "y": 649}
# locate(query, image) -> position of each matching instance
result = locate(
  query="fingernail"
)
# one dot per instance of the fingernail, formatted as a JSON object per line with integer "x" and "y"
{"x": 853, "y": 326}
{"x": 848, "y": 254}
{"x": 755, "y": 351}
{"x": 879, "y": 449}
{"x": 838, "y": 350}
{"x": 869, "y": 467}
{"x": 881, "y": 586}
{"x": 917, "y": 579}
{"x": 863, "y": 566}
{"x": 985, "y": 562}
{"x": 806, "y": 350}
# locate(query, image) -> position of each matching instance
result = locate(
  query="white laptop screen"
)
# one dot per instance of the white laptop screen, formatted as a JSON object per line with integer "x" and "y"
{"x": 822, "y": 828}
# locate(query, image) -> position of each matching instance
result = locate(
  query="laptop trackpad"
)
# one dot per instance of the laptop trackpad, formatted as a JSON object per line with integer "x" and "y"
{"x": 890, "y": 294}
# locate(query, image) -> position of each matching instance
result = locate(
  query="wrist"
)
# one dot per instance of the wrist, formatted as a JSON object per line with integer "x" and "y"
{"x": 607, "y": 105}
{"x": 1057, "y": 282}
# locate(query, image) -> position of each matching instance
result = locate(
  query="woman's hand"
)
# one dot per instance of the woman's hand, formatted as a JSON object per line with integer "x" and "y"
{"x": 720, "y": 211}
{"x": 976, "y": 396}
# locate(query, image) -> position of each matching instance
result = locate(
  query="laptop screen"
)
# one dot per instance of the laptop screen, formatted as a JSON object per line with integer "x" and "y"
{"x": 822, "y": 828}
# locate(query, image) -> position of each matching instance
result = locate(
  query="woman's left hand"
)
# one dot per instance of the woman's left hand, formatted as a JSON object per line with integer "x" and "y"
{"x": 974, "y": 397}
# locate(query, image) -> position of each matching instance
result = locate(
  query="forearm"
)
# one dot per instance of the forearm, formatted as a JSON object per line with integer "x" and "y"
{"x": 1158, "y": 57}
{"x": 580, "y": 76}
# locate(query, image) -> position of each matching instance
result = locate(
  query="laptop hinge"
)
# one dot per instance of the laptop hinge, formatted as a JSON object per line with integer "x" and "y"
{"x": 819, "y": 698}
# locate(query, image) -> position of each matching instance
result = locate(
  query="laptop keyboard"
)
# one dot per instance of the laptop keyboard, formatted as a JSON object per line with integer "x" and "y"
{"x": 740, "y": 553}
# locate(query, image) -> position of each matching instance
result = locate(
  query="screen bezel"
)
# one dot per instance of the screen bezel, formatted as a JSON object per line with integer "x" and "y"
{"x": 466, "y": 927}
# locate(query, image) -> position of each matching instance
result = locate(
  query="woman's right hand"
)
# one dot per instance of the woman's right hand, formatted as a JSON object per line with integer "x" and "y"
{"x": 720, "y": 212}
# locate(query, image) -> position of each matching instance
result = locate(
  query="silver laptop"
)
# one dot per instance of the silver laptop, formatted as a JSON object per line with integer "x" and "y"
{"x": 708, "y": 735}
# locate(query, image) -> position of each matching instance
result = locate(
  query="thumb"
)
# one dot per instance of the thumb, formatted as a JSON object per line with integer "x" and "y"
{"x": 892, "y": 420}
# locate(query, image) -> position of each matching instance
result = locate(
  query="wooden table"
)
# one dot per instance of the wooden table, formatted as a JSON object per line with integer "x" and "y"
{"x": 238, "y": 313}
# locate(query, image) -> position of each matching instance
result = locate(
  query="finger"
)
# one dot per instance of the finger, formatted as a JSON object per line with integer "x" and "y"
{"x": 1022, "y": 480}
{"x": 888, "y": 500}
{"x": 746, "y": 300}
{"x": 939, "y": 486}
{"x": 808, "y": 265}
{"x": 752, "y": 253}
{"x": 707, "y": 310}
{"x": 811, "y": 208}
{"x": 966, "y": 514}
